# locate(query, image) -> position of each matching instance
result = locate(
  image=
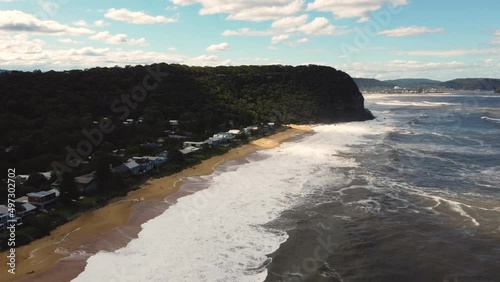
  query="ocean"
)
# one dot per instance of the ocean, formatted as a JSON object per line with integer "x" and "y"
{"x": 411, "y": 196}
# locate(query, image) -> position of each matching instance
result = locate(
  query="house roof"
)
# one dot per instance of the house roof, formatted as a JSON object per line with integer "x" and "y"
{"x": 42, "y": 193}
{"x": 86, "y": 178}
{"x": 189, "y": 150}
{"x": 22, "y": 199}
{"x": 28, "y": 207}
{"x": 4, "y": 209}
{"x": 131, "y": 164}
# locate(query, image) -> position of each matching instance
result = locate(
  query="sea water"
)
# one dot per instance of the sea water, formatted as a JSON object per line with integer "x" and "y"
{"x": 411, "y": 196}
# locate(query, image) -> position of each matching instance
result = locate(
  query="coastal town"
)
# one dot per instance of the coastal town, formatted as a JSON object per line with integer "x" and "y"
{"x": 55, "y": 199}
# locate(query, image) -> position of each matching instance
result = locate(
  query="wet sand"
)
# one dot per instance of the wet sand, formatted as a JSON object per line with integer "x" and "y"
{"x": 62, "y": 255}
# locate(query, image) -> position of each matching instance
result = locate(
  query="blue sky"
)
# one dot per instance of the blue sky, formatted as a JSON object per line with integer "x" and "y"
{"x": 384, "y": 39}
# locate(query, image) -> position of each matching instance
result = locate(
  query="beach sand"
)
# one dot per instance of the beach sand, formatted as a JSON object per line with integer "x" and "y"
{"x": 62, "y": 255}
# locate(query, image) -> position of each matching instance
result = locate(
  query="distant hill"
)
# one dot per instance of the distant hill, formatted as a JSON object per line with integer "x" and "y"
{"x": 370, "y": 83}
{"x": 487, "y": 84}
{"x": 484, "y": 84}
{"x": 413, "y": 82}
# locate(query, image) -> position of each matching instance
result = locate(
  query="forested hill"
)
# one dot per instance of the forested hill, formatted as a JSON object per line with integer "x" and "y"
{"x": 41, "y": 113}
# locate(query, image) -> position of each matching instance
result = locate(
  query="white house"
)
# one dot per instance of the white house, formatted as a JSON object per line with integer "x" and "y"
{"x": 194, "y": 144}
{"x": 133, "y": 166}
{"x": 23, "y": 207}
{"x": 224, "y": 135}
{"x": 234, "y": 131}
{"x": 189, "y": 150}
{"x": 87, "y": 183}
{"x": 43, "y": 199}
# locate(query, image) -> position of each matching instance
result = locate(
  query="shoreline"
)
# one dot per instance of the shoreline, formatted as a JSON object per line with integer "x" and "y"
{"x": 62, "y": 255}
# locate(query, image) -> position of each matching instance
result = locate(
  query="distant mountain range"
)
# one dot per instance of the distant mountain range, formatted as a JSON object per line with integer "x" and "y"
{"x": 484, "y": 84}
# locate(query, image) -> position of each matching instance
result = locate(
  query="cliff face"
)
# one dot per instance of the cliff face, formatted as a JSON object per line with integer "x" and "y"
{"x": 297, "y": 94}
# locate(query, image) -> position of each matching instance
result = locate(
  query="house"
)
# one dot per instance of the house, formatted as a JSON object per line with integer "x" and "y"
{"x": 145, "y": 165}
{"x": 173, "y": 123}
{"x": 43, "y": 199}
{"x": 5, "y": 218}
{"x": 163, "y": 155}
{"x": 157, "y": 161}
{"x": 194, "y": 144}
{"x": 87, "y": 183}
{"x": 132, "y": 166}
{"x": 23, "y": 207}
{"x": 177, "y": 137}
{"x": 224, "y": 135}
{"x": 189, "y": 150}
{"x": 121, "y": 170}
{"x": 250, "y": 129}
{"x": 234, "y": 131}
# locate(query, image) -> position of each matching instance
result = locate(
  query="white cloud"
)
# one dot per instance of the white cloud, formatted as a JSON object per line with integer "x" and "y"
{"x": 99, "y": 23}
{"x": 279, "y": 38}
{"x": 247, "y": 32}
{"x": 172, "y": 49}
{"x": 363, "y": 19}
{"x": 81, "y": 23}
{"x": 218, "y": 47}
{"x": 410, "y": 31}
{"x": 496, "y": 39}
{"x": 258, "y": 10}
{"x": 12, "y": 45}
{"x": 67, "y": 40}
{"x": 19, "y": 52}
{"x": 289, "y": 24}
{"x": 452, "y": 52}
{"x": 353, "y": 8}
{"x": 318, "y": 26}
{"x": 302, "y": 40}
{"x": 17, "y": 21}
{"x": 109, "y": 38}
{"x": 125, "y": 15}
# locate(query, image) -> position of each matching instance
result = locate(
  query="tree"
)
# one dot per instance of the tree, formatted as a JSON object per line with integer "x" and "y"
{"x": 69, "y": 189}
{"x": 175, "y": 156}
{"x": 36, "y": 180}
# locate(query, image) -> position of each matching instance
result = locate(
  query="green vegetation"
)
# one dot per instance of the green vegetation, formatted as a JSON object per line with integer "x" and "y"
{"x": 41, "y": 114}
{"x": 71, "y": 205}
{"x": 483, "y": 84}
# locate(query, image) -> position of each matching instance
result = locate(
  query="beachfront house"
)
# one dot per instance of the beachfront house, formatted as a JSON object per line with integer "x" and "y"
{"x": 5, "y": 218}
{"x": 23, "y": 207}
{"x": 234, "y": 131}
{"x": 122, "y": 170}
{"x": 173, "y": 123}
{"x": 87, "y": 183}
{"x": 145, "y": 165}
{"x": 224, "y": 136}
{"x": 189, "y": 150}
{"x": 43, "y": 199}
{"x": 199, "y": 145}
{"x": 133, "y": 167}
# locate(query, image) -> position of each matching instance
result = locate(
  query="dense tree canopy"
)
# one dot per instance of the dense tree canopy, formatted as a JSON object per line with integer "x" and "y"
{"x": 41, "y": 114}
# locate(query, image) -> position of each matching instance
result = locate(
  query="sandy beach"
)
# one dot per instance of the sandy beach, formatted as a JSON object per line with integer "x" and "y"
{"x": 61, "y": 256}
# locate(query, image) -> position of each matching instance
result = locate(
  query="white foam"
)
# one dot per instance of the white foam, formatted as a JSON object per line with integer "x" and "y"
{"x": 415, "y": 104}
{"x": 217, "y": 234}
{"x": 495, "y": 120}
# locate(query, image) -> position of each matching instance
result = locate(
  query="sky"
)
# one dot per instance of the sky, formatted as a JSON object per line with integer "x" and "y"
{"x": 383, "y": 39}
